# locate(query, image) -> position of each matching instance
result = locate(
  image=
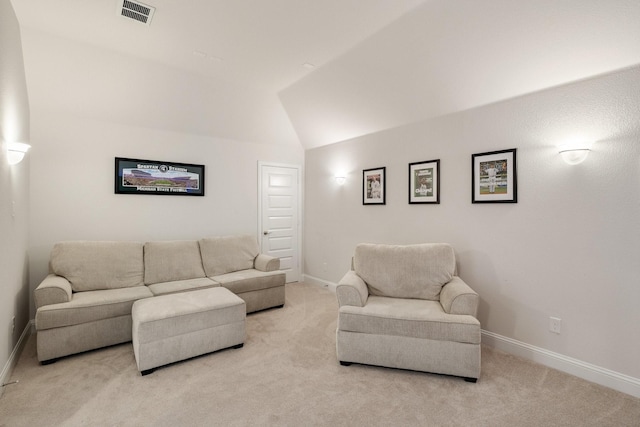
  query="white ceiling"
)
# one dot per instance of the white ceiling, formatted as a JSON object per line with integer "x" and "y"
{"x": 448, "y": 56}
{"x": 260, "y": 42}
{"x": 379, "y": 63}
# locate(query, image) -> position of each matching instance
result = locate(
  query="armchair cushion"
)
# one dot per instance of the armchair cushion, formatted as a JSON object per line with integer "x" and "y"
{"x": 411, "y": 318}
{"x": 413, "y": 271}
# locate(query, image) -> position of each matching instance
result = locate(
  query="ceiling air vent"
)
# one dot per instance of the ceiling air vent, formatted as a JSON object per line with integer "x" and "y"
{"x": 136, "y": 10}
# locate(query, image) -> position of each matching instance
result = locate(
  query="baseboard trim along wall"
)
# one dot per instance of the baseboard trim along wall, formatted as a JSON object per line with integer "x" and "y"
{"x": 319, "y": 282}
{"x": 14, "y": 356}
{"x": 595, "y": 374}
{"x": 580, "y": 369}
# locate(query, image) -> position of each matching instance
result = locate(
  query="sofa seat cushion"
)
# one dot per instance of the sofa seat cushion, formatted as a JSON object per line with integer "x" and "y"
{"x": 90, "y": 306}
{"x": 410, "y": 318}
{"x": 92, "y": 266}
{"x": 412, "y": 271}
{"x": 226, "y": 254}
{"x": 176, "y": 286}
{"x": 172, "y": 260}
{"x": 250, "y": 280}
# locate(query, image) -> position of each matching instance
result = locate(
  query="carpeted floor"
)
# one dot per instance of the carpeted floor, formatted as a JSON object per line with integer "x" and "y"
{"x": 287, "y": 374}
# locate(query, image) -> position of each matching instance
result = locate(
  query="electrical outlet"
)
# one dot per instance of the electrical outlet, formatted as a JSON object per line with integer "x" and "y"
{"x": 555, "y": 325}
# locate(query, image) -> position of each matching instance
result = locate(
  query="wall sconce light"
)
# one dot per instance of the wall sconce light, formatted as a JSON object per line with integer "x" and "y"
{"x": 16, "y": 152}
{"x": 574, "y": 156}
{"x": 340, "y": 179}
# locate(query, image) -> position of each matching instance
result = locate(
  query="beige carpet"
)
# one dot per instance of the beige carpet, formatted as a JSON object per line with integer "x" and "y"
{"x": 287, "y": 374}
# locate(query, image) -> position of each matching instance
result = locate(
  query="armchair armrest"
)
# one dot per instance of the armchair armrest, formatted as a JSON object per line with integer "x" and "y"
{"x": 265, "y": 262}
{"x": 457, "y": 297}
{"x": 352, "y": 290}
{"x": 52, "y": 290}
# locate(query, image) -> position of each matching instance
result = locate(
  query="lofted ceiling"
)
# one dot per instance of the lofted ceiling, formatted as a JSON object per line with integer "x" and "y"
{"x": 312, "y": 72}
{"x": 260, "y": 42}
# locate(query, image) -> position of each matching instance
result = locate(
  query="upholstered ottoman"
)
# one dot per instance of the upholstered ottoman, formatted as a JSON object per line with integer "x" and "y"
{"x": 170, "y": 328}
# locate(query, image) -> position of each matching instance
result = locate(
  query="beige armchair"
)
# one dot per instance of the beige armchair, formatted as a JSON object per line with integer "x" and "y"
{"x": 404, "y": 307}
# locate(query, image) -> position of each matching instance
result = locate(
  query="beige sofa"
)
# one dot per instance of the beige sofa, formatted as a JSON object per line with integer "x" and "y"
{"x": 404, "y": 307}
{"x": 85, "y": 302}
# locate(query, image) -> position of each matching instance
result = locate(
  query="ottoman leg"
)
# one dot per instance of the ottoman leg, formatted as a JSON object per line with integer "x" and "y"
{"x": 147, "y": 372}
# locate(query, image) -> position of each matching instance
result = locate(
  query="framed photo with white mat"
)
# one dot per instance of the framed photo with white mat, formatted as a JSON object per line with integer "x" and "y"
{"x": 494, "y": 177}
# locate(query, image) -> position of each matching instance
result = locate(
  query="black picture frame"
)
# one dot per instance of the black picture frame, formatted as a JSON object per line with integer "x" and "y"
{"x": 494, "y": 177}
{"x": 138, "y": 176}
{"x": 424, "y": 182}
{"x": 374, "y": 186}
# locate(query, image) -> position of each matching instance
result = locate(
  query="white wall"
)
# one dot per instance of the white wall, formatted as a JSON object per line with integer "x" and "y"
{"x": 72, "y": 191}
{"x": 569, "y": 248}
{"x": 14, "y": 190}
{"x": 90, "y": 105}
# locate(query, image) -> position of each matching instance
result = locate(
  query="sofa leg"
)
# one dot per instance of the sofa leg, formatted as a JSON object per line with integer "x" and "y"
{"x": 470, "y": 380}
{"x": 238, "y": 346}
{"x": 345, "y": 363}
{"x": 147, "y": 371}
{"x": 48, "y": 362}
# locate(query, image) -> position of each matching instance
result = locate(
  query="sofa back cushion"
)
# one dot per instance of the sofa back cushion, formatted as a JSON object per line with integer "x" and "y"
{"x": 412, "y": 271}
{"x": 92, "y": 266}
{"x": 221, "y": 255}
{"x": 172, "y": 260}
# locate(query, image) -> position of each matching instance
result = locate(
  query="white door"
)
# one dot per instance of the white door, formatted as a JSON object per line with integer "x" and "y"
{"x": 279, "y": 206}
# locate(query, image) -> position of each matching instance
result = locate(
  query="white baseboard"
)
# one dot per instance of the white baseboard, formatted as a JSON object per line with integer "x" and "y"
{"x": 620, "y": 382}
{"x": 595, "y": 374}
{"x": 15, "y": 354}
{"x": 319, "y": 282}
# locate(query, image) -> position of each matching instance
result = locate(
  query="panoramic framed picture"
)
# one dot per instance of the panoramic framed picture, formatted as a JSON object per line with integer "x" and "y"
{"x": 424, "y": 182}
{"x": 494, "y": 177}
{"x": 136, "y": 176}
{"x": 373, "y": 186}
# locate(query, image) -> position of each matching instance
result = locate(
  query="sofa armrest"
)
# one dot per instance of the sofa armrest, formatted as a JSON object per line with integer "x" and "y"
{"x": 457, "y": 297}
{"x": 265, "y": 262}
{"x": 52, "y": 290}
{"x": 352, "y": 290}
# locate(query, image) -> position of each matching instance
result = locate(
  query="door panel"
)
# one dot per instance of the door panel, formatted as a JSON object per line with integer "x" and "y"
{"x": 279, "y": 216}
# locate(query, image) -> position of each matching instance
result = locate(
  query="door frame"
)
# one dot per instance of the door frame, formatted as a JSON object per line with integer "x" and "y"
{"x": 262, "y": 164}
